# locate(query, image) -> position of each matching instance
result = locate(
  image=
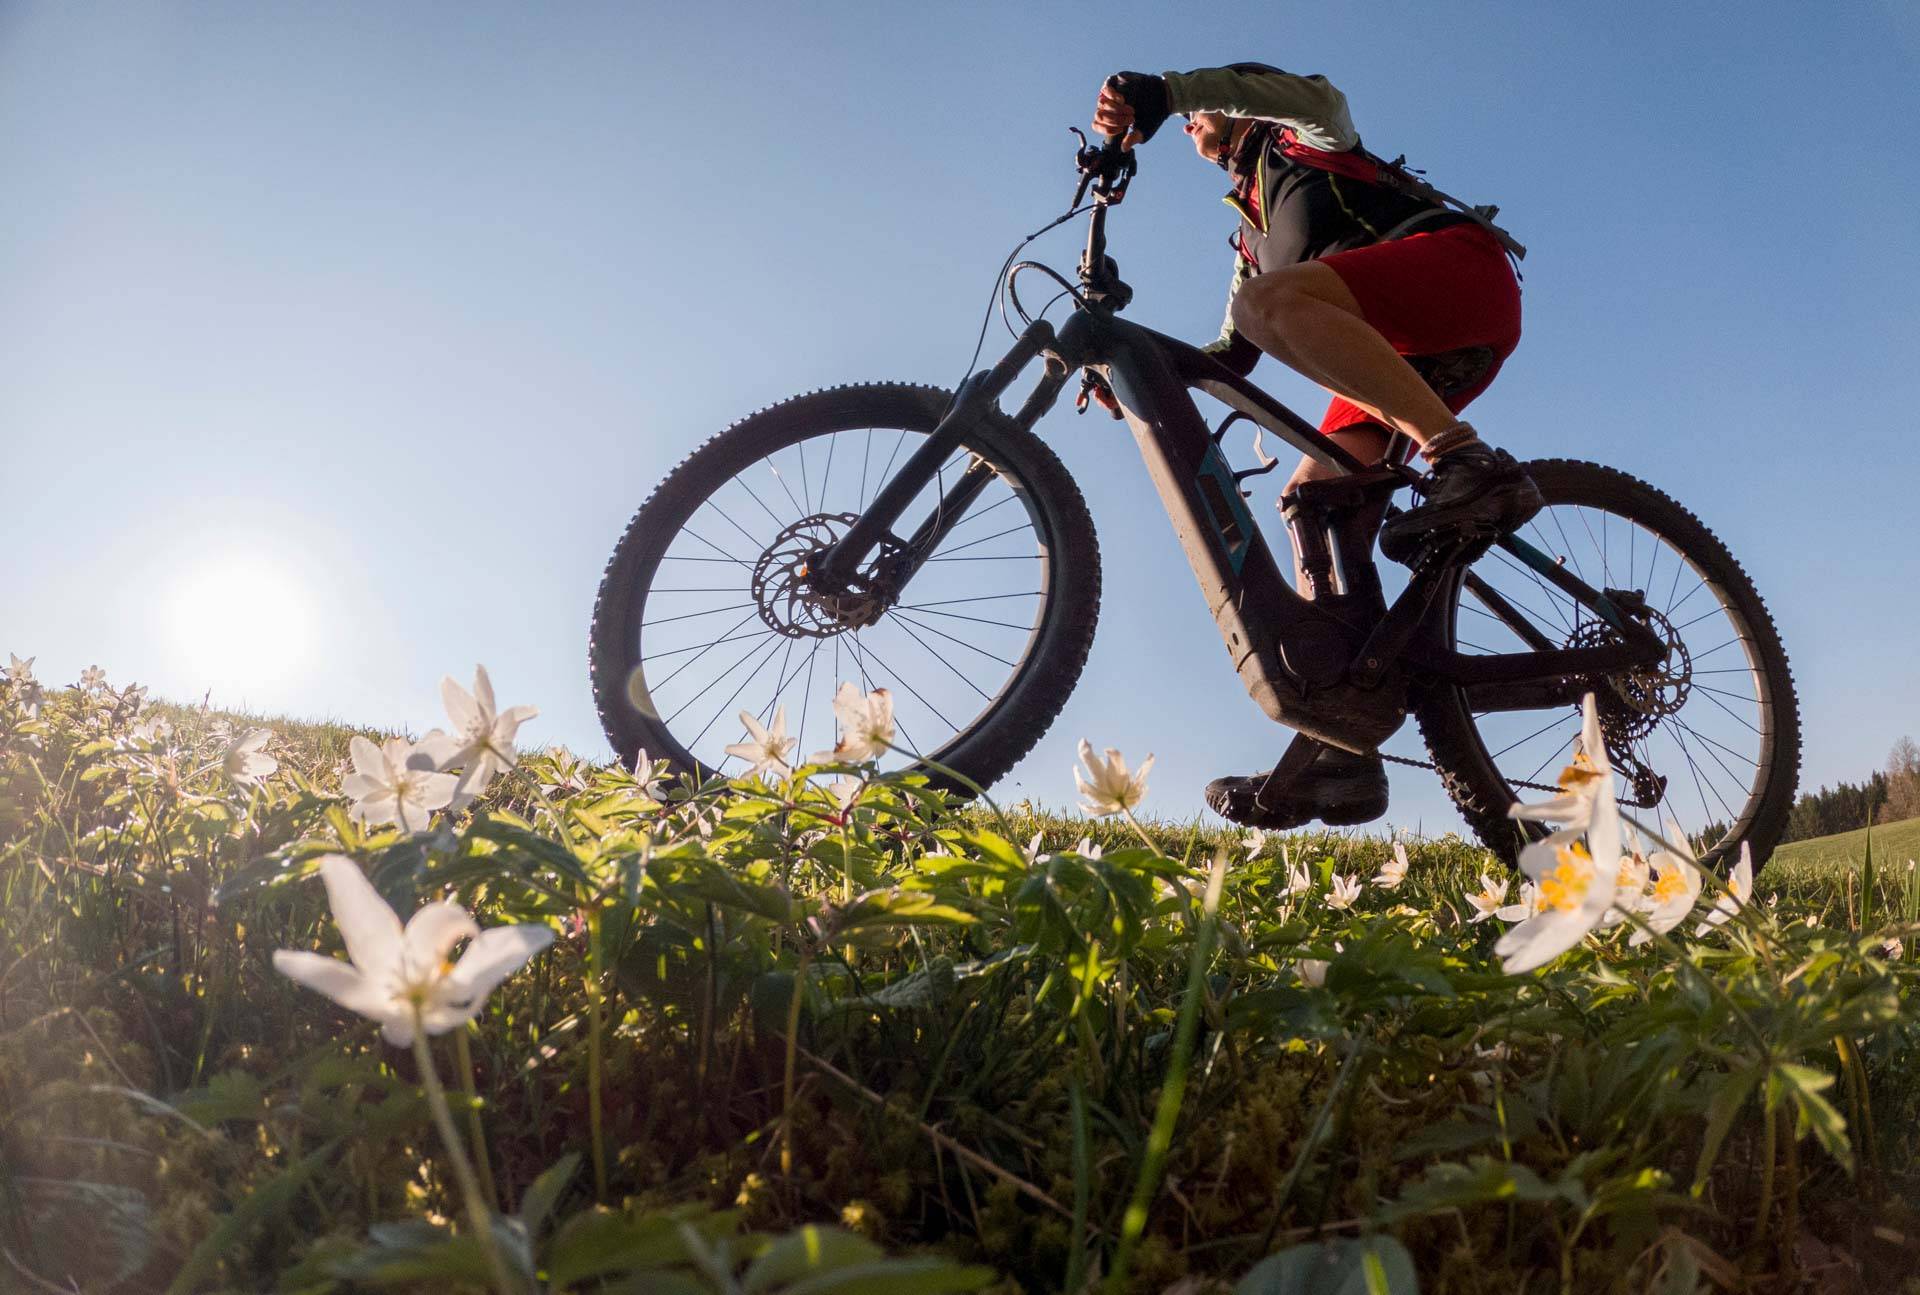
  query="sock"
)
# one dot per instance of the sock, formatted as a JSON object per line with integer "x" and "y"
{"x": 1459, "y": 436}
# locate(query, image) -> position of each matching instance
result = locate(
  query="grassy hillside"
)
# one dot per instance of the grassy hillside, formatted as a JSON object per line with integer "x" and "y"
{"x": 1894, "y": 845}
{"x": 830, "y": 1033}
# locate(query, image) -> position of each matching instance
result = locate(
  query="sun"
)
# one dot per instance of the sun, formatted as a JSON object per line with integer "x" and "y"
{"x": 239, "y": 623}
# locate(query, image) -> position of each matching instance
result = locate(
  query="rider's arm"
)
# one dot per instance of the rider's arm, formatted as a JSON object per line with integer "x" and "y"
{"x": 1311, "y": 105}
{"x": 1230, "y": 348}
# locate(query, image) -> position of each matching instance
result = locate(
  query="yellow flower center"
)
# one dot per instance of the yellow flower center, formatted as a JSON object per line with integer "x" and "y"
{"x": 1578, "y": 774}
{"x": 1633, "y": 872}
{"x": 1566, "y": 885}
{"x": 1672, "y": 885}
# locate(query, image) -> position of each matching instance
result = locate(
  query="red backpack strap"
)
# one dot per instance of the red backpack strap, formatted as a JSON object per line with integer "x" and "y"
{"x": 1355, "y": 164}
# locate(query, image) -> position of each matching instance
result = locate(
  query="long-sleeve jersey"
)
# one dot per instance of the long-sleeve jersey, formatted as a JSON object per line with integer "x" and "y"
{"x": 1297, "y": 178}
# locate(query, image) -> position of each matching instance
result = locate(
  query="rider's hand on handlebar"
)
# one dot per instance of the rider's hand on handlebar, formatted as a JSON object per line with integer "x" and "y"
{"x": 1133, "y": 103}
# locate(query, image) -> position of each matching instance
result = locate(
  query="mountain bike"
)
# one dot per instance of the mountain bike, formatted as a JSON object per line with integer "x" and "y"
{"x": 901, "y": 536}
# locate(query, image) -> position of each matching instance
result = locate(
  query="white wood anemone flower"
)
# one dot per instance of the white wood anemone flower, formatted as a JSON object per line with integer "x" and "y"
{"x": 866, "y": 725}
{"x": 1577, "y": 882}
{"x": 1580, "y": 782}
{"x": 1394, "y": 870}
{"x": 766, "y": 748}
{"x": 1489, "y": 900}
{"x": 1345, "y": 890}
{"x": 1741, "y": 884}
{"x": 482, "y": 742}
{"x": 396, "y": 782}
{"x": 243, "y": 760}
{"x": 648, "y": 773}
{"x": 1111, "y": 789}
{"x": 401, "y": 976}
{"x": 1299, "y": 880}
{"x": 1577, "y": 879}
{"x": 1629, "y": 889}
{"x": 1527, "y": 906}
{"x": 1676, "y": 889}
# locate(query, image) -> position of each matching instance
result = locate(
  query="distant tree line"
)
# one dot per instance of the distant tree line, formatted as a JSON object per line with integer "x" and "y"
{"x": 1888, "y": 796}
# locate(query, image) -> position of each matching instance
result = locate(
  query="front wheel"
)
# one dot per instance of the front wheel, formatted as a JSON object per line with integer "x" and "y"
{"x": 707, "y": 608}
{"x": 1709, "y": 738}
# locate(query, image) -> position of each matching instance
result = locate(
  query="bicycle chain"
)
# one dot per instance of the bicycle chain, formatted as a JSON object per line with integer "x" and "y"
{"x": 1428, "y": 764}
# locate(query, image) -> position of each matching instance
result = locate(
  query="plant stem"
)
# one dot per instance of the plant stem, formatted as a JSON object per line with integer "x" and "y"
{"x": 1173, "y": 1088}
{"x": 595, "y": 1027}
{"x": 479, "y": 1218}
{"x": 1138, "y": 830}
{"x": 793, "y": 1043}
{"x": 464, "y": 1056}
{"x": 1767, "y": 1155}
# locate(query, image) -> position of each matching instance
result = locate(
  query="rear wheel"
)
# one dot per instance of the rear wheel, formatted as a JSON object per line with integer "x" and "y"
{"x": 706, "y": 608}
{"x": 1710, "y": 738}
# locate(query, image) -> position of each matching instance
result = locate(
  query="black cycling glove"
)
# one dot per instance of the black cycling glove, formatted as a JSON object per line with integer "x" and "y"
{"x": 1146, "y": 94}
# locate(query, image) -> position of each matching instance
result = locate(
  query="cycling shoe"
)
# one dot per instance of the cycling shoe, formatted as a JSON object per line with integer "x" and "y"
{"x": 1474, "y": 489}
{"x": 1338, "y": 788}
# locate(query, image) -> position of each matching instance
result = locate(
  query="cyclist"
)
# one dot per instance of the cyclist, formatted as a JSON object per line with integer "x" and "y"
{"x": 1341, "y": 276}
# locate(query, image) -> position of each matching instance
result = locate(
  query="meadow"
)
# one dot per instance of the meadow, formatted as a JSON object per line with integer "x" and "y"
{"x": 828, "y": 1030}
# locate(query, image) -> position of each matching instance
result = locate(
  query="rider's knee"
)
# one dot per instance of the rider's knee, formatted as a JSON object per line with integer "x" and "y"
{"x": 1267, "y": 304}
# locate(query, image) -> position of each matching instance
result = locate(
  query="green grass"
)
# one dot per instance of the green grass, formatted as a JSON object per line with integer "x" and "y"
{"x": 773, "y": 1036}
{"x": 1823, "y": 856}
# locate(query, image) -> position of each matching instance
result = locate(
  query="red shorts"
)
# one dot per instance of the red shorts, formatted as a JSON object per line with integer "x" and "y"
{"x": 1432, "y": 293}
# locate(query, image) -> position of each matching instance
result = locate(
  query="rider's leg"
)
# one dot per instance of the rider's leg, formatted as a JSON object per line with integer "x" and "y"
{"x": 1306, "y": 317}
{"x": 1423, "y": 296}
{"x": 1347, "y": 320}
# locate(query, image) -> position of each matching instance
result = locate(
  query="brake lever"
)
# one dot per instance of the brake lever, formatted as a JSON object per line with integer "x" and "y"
{"x": 1089, "y": 383}
{"x": 1114, "y": 167}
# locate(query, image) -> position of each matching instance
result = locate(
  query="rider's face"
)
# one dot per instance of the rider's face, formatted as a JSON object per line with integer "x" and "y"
{"x": 1208, "y": 130}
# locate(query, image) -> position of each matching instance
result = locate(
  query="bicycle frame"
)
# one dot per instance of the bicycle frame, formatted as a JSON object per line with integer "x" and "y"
{"x": 1336, "y": 667}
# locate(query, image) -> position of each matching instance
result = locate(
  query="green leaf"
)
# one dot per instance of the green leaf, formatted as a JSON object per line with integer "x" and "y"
{"x": 1722, "y": 1107}
{"x": 1481, "y": 1180}
{"x": 926, "y": 1276}
{"x": 270, "y": 1198}
{"x": 717, "y": 885}
{"x": 416, "y": 1251}
{"x": 1375, "y": 1265}
{"x": 600, "y": 1243}
{"x": 880, "y": 911}
{"x": 536, "y": 851}
{"x": 232, "y": 1095}
{"x": 1804, "y": 1084}
{"x": 804, "y": 1251}
{"x": 928, "y": 987}
{"x": 537, "y": 1202}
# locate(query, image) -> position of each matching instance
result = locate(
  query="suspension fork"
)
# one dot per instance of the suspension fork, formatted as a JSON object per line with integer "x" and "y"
{"x": 841, "y": 561}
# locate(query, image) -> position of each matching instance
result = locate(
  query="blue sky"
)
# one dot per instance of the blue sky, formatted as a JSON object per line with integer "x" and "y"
{"x": 343, "y": 340}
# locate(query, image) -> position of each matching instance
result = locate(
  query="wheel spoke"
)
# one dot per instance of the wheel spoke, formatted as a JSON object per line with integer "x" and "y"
{"x": 950, "y": 655}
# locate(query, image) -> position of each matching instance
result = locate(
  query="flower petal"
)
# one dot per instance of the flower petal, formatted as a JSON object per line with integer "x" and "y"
{"x": 495, "y": 954}
{"x": 483, "y": 691}
{"x": 368, "y": 761}
{"x": 434, "y": 930}
{"x": 1539, "y": 940}
{"x": 368, "y": 924}
{"x": 338, "y": 980}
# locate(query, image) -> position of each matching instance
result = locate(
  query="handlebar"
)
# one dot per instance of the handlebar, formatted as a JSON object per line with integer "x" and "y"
{"x": 1108, "y": 170}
